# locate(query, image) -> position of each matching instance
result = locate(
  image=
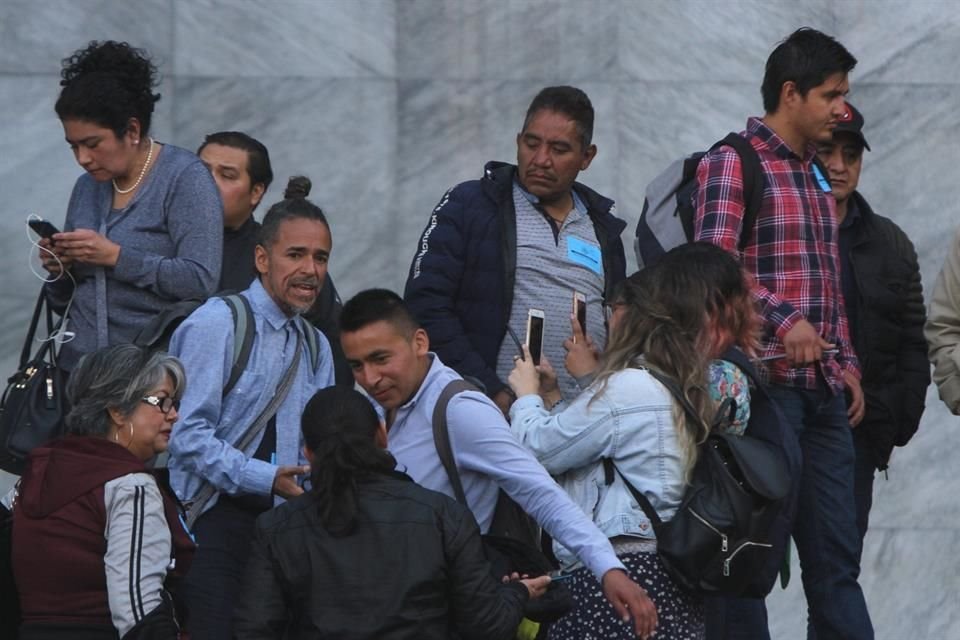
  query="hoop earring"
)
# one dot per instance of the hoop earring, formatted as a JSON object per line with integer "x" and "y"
{"x": 116, "y": 436}
{"x": 131, "y": 431}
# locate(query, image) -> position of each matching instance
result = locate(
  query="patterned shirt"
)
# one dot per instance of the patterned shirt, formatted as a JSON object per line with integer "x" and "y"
{"x": 792, "y": 249}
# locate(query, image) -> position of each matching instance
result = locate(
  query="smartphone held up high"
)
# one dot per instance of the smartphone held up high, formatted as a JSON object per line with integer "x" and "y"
{"x": 580, "y": 311}
{"x": 535, "y": 334}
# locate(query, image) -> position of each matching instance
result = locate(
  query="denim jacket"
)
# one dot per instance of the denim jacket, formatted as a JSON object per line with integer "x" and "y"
{"x": 631, "y": 421}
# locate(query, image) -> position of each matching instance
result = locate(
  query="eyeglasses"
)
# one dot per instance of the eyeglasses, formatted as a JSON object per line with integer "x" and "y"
{"x": 164, "y": 404}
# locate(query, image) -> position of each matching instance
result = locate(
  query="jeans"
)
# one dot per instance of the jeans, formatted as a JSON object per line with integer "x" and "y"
{"x": 826, "y": 535}
{"x": 212, "y": 586}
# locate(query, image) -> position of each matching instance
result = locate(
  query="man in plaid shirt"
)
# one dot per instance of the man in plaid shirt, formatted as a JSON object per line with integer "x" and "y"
{"x": 792, "y": 252}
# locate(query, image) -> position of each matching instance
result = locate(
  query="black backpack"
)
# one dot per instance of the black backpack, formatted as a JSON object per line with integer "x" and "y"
{"x": 666, "y": 220}
{"x": 730, "y": 532}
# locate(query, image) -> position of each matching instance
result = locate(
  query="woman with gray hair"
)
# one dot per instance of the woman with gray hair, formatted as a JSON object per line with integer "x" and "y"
{"x": 94, "y": 535}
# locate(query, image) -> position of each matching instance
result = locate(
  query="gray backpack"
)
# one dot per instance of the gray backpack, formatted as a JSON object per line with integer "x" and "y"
{"x": 667, "y": 217}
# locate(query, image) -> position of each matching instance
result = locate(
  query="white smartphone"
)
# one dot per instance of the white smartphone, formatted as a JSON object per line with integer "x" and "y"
{"x": 535, "y": 334}
{"x": 580, "y": 311}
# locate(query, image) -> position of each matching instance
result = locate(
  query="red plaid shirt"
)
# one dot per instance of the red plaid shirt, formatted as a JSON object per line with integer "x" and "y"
{"x": 792, "y": 249}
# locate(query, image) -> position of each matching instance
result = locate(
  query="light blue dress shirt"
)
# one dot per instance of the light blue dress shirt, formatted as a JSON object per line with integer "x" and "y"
{"x": 203, "y": 445}
{"x": 489, "y": 457}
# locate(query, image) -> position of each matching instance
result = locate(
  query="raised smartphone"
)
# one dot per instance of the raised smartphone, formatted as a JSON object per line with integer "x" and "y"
{"x": 580, "y": 310}
{"x": 535, "y": 334}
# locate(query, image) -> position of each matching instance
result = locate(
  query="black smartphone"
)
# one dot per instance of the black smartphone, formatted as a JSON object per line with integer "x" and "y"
{"x": 580, "y": 309}
{"x": 43, "y": 228}
{"x": 535, "y": 334}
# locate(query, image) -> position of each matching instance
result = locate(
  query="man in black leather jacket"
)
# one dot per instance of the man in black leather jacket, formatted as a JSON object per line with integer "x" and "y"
{"x": 885, "y": 312}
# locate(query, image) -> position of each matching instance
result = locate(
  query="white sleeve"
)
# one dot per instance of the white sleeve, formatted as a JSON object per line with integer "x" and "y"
{"x": 138, "y": 548}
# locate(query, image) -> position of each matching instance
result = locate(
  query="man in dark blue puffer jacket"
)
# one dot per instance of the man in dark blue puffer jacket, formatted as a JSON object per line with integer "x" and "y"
{"x": 521, "y": 237}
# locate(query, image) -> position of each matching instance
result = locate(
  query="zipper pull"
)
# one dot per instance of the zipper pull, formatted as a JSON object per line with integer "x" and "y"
{"x": 723, "y": 543}
{"x": 49, "y": 387}
{"x": 726, "y": 568}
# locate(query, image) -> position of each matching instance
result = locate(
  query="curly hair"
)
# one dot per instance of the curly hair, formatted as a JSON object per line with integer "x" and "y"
{"x": 108, "y": 83}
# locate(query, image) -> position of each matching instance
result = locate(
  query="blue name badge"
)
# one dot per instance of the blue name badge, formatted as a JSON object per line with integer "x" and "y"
{"x": 585, "y": 254}
{"x": 821, "y": 180}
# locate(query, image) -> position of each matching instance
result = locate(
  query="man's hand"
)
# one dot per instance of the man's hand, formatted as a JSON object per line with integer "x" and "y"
{"x": 858, "y": 407}
{"x": 285, "y": 482}
{"x": 87, "y": 246}
{"x": 803, "y": 344}
{"x": 582, "y": 356}
{"x": 536, "y": 587}
{"x": 630, "y": 601}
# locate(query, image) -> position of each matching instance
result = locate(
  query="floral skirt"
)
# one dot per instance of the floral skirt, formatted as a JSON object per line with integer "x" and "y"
{"x": 679, "y": 613}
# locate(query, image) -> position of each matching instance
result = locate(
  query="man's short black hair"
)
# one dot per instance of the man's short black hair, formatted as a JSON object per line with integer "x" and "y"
{"x": 569, "y": 101}
{"x": 806, "y": 58}
{"x": 258, "y": 159}
{"x": 377, "y": 305}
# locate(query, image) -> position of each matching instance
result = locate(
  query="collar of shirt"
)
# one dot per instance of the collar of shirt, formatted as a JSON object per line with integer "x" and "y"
{"x": 579, "y": 207}
{"x": 773, "y": 142}
{"x": 265, "y": 306}
{"x": 853, "y": 214}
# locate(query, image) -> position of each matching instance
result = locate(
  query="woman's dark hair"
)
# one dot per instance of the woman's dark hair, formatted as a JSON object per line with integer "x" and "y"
{"x": 294, "y": 205}
{"x": 108, "y": 83}
{"x": 339, "y": 426}
{"x": 806, "y": 58}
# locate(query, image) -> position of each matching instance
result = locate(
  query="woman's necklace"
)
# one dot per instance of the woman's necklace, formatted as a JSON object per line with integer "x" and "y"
{"x": 143, "y": 172}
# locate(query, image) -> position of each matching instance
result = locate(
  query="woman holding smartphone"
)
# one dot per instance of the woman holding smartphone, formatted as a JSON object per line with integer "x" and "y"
{"x": 144, "y": 225}
{"x": 671, "y": 319}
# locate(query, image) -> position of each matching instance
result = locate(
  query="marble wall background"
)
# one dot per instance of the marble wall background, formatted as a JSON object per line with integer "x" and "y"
{"x": 386, "y": 103}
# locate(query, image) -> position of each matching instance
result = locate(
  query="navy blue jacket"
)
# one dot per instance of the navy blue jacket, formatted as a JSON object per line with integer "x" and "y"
{"x": 460, "y": 285}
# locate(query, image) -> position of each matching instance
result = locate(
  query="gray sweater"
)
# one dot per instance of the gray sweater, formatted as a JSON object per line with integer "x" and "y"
{"x": 171, "y": 244}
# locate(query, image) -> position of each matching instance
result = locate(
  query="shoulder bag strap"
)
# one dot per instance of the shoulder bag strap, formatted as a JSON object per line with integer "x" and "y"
{"x": 208, "y": 490}
{"x": 244, "y": 329}
{"x": 441, "y": 435}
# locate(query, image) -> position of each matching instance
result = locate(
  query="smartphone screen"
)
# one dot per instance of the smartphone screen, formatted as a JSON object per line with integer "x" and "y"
{"x": 43, "y": 228}
{"x": 535, "y": 334}
{"x": 580, "y": 309}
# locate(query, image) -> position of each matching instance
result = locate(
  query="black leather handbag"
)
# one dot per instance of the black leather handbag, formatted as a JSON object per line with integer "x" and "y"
{"x": 33, "y": 405}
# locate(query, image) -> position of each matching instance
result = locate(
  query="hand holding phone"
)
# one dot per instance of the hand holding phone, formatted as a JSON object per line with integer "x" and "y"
{"x": 535, "y": 319}
{"x": 580, "y": 313}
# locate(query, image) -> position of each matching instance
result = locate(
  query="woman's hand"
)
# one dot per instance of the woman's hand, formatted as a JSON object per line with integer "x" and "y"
{"x": 549, "y": 389}
{"x": 524, "y": 379}
{"x": 87, "y": 246}
{"x": 52, "y": 257}
{"x": 583, "y": 358}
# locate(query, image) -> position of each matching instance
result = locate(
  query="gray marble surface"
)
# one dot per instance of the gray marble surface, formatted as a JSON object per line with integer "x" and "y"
{"x": 385, "y": 104}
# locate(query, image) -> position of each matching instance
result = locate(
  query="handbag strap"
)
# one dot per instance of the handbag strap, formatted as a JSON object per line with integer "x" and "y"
{"x": 32, "y": 332}
{"x": 441, "y": 435}
{"x": 283, "y": 388}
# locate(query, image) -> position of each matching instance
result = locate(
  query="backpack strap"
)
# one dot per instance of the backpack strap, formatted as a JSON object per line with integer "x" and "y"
{"x": 441, "y": 435}
{"x": 609, "y": 469}
{"x": 244, "y": 327}
{"x": 313, "y": 342}
{"x": 752, "y": 175}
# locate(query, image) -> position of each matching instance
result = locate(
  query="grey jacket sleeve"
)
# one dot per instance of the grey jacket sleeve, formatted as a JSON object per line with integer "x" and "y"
{"x": 943, "y": 328}
{"x": 138, "y": 548}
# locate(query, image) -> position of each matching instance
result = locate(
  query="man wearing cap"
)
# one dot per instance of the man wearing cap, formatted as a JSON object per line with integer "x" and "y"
{"x": 880, "y": 279}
